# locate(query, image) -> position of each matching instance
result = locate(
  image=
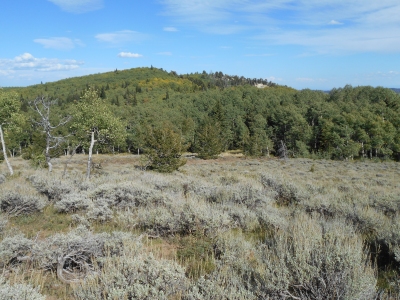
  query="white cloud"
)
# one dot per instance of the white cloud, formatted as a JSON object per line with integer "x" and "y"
{"x": 334, "y": 22}
{"x": 129, "y": 55}
{"x": 78, "y": 6}
{"x": 170, "y": 29}
{"x": 121, "y": 37}
{"x": 59, "y": 43}
{"x": 164, "y": 53}
{"x": 27, "y": 61}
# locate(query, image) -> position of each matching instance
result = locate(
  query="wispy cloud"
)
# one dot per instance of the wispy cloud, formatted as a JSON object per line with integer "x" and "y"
{"x": 78, "y": 6}
{"x": 209, "y": 16}
{"x": 274, "y": 79}
{"x": 121, "y": 37}
{"x": 328, "y": 26}
{"x": 340, "y": 40}
{"x": 389, "y": 74}
{"x": 27, "y": 61}
{"x": 258, "y": 55}
{"x": 170, "y": 29}
{"x": 334, "y": 22}
{"x": 165, "y": 53}
{"x": 307, "y": 79}
{"x": 129, "y": 55}
{"x": 59, "y": 43}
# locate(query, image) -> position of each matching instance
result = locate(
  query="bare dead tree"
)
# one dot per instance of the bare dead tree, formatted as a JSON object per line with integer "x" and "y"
{"x": 41, "y": 105}
{"x": 282, "y": 151}
{"x": 72, "y": 153}
{"x": 5, "y": 151}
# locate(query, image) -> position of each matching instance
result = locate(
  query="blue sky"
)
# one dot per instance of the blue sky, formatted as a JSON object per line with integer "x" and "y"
{"x": 317, "y": 44}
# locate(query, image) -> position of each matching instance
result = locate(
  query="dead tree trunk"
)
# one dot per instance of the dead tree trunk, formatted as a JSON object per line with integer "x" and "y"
{"x": 69, "y": 160}
{"x": 5, "y": 152}
{"x": 89, "y": 164}
{"x": 41, "y": 106}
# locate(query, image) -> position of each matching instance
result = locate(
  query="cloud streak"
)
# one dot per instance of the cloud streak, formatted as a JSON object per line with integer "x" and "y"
{"x": 59, "y": 43}
{"x": 121, "y": 37}
{"x": 170, "y": 29}
{"x": 129, "y": 55}
{"x": 78, "y": 6}
{"x": 328, "y": 26}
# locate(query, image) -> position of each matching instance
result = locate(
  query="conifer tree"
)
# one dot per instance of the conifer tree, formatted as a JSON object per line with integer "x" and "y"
{"x": 208, "y": 140}
{"x": 164, "y": 148}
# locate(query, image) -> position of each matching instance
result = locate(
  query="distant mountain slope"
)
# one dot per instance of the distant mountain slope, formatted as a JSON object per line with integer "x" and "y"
{"x": 137, "y": 82}
{"x": 396, "y": 90}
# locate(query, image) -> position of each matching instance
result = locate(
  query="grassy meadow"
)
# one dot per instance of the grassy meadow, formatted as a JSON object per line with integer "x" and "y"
{"x": 229, "y": 228}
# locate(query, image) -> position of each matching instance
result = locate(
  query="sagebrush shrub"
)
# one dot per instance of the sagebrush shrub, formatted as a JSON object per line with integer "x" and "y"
{"x": 79, "y": 245}
{"x": 19, "y": 291}
{"x": 13, "y": 247}
{"x": 3, "y": 223}
{"x": 180, "y": 216}
{"x": 317, "y": 259}
{"x": 52, "y": 187}
{"x": 100, "y": 211}
{"x": 2, "y": 178}
{"x": 232, "y": 271}
{"x": 242, "y": 217}
{"x": 134, "y": 276}
{"x": 126, "y": 194}
{"x": 14, "y": 203}
{"x": 286, "y": 192}
{"x": 72, "y": 202}
{"x": 219, "y": 287}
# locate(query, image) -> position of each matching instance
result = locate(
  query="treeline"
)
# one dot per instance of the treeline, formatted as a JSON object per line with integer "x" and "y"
{"x": 215, "y": 112}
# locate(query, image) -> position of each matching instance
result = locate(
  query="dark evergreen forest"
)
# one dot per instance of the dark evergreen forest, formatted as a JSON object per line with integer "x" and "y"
{"x": 215, "y": 112}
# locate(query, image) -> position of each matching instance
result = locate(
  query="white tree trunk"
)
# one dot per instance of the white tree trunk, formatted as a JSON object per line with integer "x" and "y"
{"x": 89, "y": 164}
{"x": 5, "y": 152}
{"x": 48, "y": 158}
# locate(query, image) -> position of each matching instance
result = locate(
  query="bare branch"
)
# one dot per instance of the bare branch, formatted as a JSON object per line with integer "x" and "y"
{"x": 41, "y": 106}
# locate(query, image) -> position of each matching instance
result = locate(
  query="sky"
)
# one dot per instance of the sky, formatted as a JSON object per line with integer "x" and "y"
{"x": 316, "y": 44}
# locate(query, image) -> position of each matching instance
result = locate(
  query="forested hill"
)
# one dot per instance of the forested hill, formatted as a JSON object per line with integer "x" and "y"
{"x": 221, "y": 112}
{"x": 117, "y": 86}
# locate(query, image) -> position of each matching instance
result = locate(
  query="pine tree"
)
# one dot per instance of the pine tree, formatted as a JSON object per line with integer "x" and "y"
{"x": 164, "y": 149}
{"x": 208, "y": 140}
